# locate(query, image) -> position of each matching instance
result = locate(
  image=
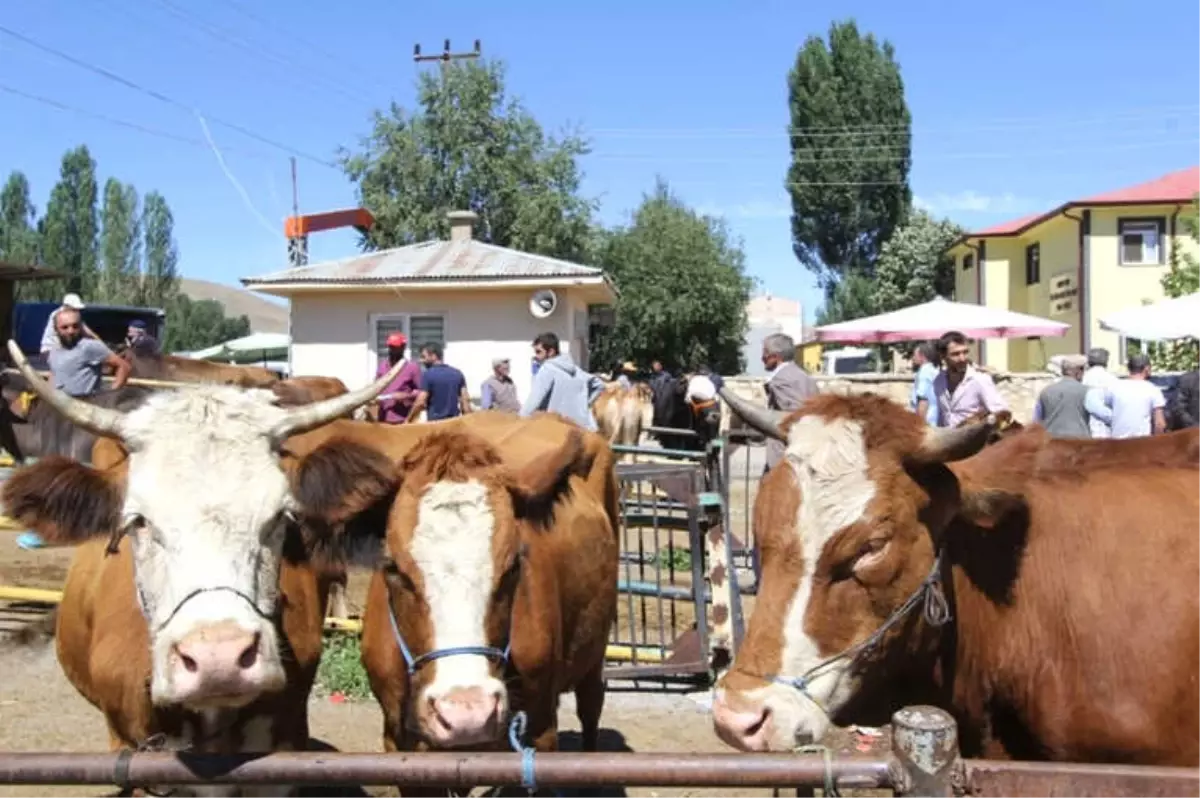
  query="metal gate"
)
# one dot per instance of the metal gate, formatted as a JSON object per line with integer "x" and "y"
{"x": 679, "y": 605}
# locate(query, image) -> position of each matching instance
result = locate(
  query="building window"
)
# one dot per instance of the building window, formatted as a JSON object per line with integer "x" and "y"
{"x": 968, "y": 261}
{"x": 1141, "y": 241}
{"x": 421, "y": 329}
{"x": 1033, "y": 264}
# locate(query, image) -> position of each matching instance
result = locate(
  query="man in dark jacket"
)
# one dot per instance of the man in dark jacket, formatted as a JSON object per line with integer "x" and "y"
{"x": 1186, "y": 406}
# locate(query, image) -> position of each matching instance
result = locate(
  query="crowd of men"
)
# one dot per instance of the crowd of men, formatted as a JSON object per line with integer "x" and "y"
{"x": 440, "y": 390}
{"x": 1087, "y": 401}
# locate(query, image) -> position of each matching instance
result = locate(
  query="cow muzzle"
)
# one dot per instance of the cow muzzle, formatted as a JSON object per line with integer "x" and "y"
{"x": 770, "y": 718}
{"x": 216, "y": 651}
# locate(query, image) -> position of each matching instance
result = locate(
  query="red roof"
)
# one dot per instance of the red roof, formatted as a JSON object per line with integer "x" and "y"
{"x": 1178, "y": 186}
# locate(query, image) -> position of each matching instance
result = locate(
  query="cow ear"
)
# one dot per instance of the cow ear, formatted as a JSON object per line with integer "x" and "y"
{"x": 64, "y": 501}
{"x": 535, "y": 487}
{"x": 344, "y": 490}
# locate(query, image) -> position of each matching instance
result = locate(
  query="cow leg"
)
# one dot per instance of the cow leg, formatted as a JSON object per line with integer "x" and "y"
{"x": 589, "y": 703}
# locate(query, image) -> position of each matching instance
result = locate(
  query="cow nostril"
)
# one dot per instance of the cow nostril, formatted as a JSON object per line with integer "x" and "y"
{"x": 250, "y": 654}
{"x": 189, "y": 664}
{"x": 757, "y": 726}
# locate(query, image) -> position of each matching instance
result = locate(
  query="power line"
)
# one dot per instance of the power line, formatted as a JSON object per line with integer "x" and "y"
{"x": 1152, "y": 114}
{"x": 223, "y": 35}
{"x": 109, "y": 75}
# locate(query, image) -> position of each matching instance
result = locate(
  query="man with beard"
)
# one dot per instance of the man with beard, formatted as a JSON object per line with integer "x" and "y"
{"x": 961, "y": 389}
{"x": 77, "y": 363}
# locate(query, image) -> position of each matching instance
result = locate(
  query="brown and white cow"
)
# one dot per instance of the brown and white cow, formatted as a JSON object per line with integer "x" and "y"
{"x": 1042, "y": 591}
{"x": 621, "y": 413}
{"x": 498, "y": 581}
{"x": 189, "y": 610}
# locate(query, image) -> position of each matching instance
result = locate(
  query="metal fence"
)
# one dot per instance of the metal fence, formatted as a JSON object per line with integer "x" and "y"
{"x": 924, "y": 761}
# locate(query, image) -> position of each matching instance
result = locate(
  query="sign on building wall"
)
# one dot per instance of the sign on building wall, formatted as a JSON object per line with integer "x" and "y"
{"x": 1063, "y": 294}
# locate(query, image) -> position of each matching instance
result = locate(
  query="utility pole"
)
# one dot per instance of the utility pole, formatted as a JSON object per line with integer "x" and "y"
{"x": 446, "y": 56}
{"x": 296, "y": 236}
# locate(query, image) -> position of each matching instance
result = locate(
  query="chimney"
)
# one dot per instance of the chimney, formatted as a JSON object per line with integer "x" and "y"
{"x": 461, "y": 223}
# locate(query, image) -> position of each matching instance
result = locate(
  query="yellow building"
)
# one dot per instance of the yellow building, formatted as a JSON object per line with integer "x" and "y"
{"x": 1076, "y": 264}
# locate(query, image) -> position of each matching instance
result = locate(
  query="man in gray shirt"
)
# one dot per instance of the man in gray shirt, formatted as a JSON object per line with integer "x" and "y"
{"x": 77, "y": 363}
{"x": 787, "y": 385}
{"x": 1062, "y": 406}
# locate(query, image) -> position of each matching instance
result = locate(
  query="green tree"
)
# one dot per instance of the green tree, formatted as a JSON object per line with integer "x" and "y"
{"x": 19, "y": 236}
{"x": 1182, "y": 278}
{"x": 68, "y": 230}
{"x": 683, "y": 288}
{"x": 160, "y": 279}
{"x": 120, "y": 244}
{"x": 912, "y": 266}
{"x": 468, "y": 147}
{"x": 853, "y": 297}
{"x": 851, "y": 146}
{"x": 198, "y": 324}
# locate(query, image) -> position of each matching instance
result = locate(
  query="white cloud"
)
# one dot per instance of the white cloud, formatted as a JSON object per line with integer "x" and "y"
{"x": 974, "y": 202}
{"x": 755, "y": 209}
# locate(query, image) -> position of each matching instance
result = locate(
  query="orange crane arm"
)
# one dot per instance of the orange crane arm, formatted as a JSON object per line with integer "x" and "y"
{"x": 298, "y": 226}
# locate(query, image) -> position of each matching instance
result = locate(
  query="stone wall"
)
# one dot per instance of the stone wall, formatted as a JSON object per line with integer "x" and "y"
{"x": 1019, "y": 390}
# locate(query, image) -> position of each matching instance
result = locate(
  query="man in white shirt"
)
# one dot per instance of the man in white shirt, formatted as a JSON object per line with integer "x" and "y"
{"x": 1098, "y": 376}
{"x": 50, "y": 339}
{"x": 1135, "y": 404}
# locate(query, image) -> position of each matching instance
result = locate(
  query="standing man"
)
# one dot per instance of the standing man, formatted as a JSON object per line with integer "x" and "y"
{"x": 926, "y": 364}
{"x": 560, "y": 385}
{"x": 1062, "y": 407}
{"x": 1135, "y": 404}
{"x": 961, "y": 389}
{"x": 499, "y": 392}
{"x": 50, "y": 339}
{"x": 138, "y": 340}
{"x": 1186, "y": 406}
{"x": 77, "y": 362}
{"x": 443, "y": 391}
{"x": 1098, "y": 376}
{"x": 787, "y": 385}
{"x": 396, "y": 401}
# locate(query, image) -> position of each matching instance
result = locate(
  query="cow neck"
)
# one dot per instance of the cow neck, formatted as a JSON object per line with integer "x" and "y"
{"x": 930, "y": 595}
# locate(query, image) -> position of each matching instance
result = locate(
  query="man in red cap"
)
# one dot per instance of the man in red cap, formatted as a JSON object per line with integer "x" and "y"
{"x": 397, "y": 399}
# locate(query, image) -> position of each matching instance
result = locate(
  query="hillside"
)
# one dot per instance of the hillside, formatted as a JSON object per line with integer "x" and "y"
{"x": 265, "y": 315}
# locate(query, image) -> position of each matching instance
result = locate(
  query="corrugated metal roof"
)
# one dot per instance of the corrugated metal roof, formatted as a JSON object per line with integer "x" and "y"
{"x": 431, "y": 260}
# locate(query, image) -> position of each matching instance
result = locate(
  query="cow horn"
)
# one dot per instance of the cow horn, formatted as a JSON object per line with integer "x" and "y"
{"x": 763, "y": 419}
{"x": 307, "y": 417}
{"x": 947, "y": 445}
{"x": 100, "y": 421}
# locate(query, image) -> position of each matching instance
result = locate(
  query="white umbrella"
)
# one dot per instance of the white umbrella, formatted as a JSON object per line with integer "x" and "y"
{"x": 1170, "y": 318}
{"x": 933, "y": 318}
{"x": 251, "y": 348}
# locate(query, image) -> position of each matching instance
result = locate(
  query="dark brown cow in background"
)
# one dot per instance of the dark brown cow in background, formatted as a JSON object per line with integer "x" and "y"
{"x": 171, "y": 368}
{"x": 1043, "y": 591}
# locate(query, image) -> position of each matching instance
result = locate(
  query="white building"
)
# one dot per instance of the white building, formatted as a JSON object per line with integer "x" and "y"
{"x": 475, "y": 298}
{"x": 768, "y": 315}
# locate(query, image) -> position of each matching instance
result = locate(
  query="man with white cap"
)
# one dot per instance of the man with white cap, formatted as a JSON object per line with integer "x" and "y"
{"x": 499, "y": 392}
{"x": 50, "y": 340}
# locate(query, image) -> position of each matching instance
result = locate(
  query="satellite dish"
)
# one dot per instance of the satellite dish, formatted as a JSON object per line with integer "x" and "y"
{"x": 542, "y": 303}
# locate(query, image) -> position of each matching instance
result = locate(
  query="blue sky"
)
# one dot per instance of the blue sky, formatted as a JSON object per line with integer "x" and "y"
{"x": 1016, "y": 106}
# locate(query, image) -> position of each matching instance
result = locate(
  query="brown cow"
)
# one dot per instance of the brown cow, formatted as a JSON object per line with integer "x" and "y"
{"x": 499, "y": 577}
{"x": 205, "y": 625}
{"x": 621, "y": 413}
{"x": 1042, "y": 591}
{"x": 171, "y": 368}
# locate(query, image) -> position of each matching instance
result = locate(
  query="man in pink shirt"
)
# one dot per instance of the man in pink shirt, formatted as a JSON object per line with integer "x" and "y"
{"x": 397, "y": 399}
{"x": 961, "y": 389}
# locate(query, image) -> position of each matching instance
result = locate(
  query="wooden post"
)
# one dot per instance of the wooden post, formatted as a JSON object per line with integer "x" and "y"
{"x": 925, "y": 743}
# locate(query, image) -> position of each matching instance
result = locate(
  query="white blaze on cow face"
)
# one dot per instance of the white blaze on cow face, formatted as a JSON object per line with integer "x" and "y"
{"x": 211, "y": 500}
{"x": 829, "y": 460}
{"x": 452, "y": 547}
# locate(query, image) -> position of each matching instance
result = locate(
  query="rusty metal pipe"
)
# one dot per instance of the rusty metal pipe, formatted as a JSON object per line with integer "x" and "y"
{"x": 984, "y": 777}
{"x": 557, "y": 769}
